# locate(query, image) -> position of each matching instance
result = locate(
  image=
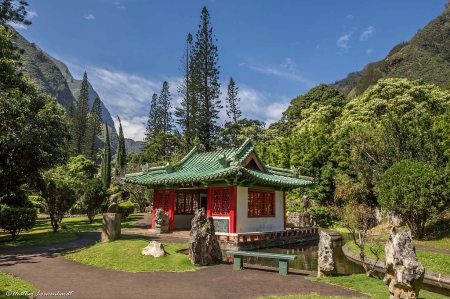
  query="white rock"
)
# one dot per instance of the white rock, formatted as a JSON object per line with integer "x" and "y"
{"x": 154, "y": 248}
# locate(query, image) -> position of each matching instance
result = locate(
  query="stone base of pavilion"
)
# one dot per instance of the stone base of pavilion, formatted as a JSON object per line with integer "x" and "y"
{"x": 259, "y": 240}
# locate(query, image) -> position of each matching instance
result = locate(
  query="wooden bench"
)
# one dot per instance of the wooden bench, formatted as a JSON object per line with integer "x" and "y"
{"x": 283, "y": 259}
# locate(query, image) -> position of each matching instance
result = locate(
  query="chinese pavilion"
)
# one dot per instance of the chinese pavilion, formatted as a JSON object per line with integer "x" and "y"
{"x": 235, "y": 187}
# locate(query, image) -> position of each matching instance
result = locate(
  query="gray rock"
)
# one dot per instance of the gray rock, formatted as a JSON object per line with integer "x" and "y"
{"x": 404, "y": 274}
{"x": 326, "y": 255}
{"x": 161, "y": 221}
{"x": 111, "y": 226}
{"x": 114, "y": 206}
{"x": 204, "y": 249}
{"x": 154, "y": 248}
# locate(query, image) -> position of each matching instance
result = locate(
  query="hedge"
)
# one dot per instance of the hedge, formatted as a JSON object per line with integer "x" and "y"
{"x": 15, "y": 220}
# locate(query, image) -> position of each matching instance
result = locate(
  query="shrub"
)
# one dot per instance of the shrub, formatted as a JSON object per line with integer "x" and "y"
{"x": 77, "y": 209}
{"x": 322, "y": 216}
{"x": 414, "y": 190}
{"x": 126, "y": 209}
{"x": 93, "y": 195}
{"x": 15, "y": 220}
{"x": 59, "y": 197}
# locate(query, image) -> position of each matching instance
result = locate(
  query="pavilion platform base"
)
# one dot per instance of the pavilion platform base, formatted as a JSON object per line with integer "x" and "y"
{"x": 259, "y": 240}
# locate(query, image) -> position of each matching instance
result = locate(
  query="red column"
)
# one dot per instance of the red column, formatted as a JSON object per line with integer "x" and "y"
{"x": 155, "y": 201}
{"x": 171, "y": 208}
{"x": 209, "y": 202}
{"x": 233, "y": 206}
{"x": 284, "y": 208}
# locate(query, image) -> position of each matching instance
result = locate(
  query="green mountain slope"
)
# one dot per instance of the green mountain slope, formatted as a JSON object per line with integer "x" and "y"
{"x": 426, "y": 56}
{"x": 43, "y": 72}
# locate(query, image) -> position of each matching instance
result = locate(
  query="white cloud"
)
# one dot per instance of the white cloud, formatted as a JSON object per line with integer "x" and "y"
{"x": 367, "y": 33}
{"x": 31, "y": 14}
{"x": 18, "y": 25}
{"x": 349, "y": 16}
{"x": 133, "y": 127}
{"x": 370, "y": 50}
{"x": 89, "y": 17}
{"x": 119, "y": 5}
{"x": 288, "y": 71}
{"x": 343, "y": 41}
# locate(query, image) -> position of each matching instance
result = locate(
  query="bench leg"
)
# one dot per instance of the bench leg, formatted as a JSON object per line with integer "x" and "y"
{"x": 238, "y": 262}
{"x": 283, "y": 266}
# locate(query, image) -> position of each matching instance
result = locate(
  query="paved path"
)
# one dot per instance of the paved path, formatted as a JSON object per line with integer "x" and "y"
{"x": 42, "y": 266}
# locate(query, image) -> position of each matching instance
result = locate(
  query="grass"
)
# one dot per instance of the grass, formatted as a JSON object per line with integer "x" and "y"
{"x": 434, "y": 262}
{"x": 124, "y": 254}
{"x": 42, "y": 232}
{"x": 9, "y": 282}
{"x": 372, "y": 286}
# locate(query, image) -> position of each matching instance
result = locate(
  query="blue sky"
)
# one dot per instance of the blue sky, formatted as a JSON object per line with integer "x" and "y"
{"x": 274, "y": 50}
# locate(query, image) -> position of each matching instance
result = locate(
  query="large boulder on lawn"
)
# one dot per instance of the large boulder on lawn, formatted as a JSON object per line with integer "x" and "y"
{"x": 204, "y": 249}
{"x": 326, "y": 255}
{"x": 404, "y": 274}
{"x": 154, "y": 248}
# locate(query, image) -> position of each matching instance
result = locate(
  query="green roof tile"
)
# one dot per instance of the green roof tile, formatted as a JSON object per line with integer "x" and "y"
{"x": 200, "y": 167}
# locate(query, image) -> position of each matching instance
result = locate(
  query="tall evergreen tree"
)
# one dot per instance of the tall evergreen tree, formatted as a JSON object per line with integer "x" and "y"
{"x": 205, "y": 81}
{"x": 186, "y": 113}
{"x": 79, "y": 123}
{"x": 94, "y": 128}
{"x": 153, "y": 120}
{"x": 121, "y": 152}
{"x": 106, "y": 161}
{"x": 233, "y": 110}
{"x": 70, "y": 111}
{"x": 164, "y": 105}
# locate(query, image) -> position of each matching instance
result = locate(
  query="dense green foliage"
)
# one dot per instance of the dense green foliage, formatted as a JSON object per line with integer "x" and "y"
{"x": 15, "y": 220}
{"x": 94, "y": 129}
{"x": 79, "y": 123}
{"x": 126, "y": 208}
{"x": 121, "y": 156}
{"x": 94, "y": 194}
{"x": 33, "y": 129}
{"x": 414, "y": 190}
{"x": 106, "y": 162}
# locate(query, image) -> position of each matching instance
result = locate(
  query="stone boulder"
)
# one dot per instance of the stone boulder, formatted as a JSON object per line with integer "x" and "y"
{"x": 161, "y": 221}
{"x": 204, "y": 249}
{"x": 404, "y": 274}
{"x": 154, "y": 248}
{"x": 326, "y": 255}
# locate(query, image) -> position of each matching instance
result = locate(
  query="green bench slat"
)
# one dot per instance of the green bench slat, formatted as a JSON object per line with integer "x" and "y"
{"x": 264, "y": 254}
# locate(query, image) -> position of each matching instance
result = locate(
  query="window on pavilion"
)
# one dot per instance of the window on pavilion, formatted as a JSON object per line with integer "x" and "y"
{"x": 186, "y": 203}
{"x": 162, "y": 200}
{"x": 221, "y": 202}
{"x": 261, "y": 203}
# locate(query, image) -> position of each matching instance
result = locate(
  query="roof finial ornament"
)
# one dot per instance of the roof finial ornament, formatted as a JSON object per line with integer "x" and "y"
{"x": 145, "y": 168}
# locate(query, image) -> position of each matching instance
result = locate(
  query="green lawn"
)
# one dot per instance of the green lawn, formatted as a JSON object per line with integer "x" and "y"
{"x": 9, "y": 283}
{"x": 42, "y": 233}
{"x": 124, "y": 254}
{"x": 372, "y": 286}
{"x": 434, "y": 262}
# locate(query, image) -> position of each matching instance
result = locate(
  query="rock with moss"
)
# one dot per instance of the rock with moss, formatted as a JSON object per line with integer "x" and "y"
{"x": 404, "y": 274}
{"x": 204, "y": 249}
{"x": 326, "y": 255}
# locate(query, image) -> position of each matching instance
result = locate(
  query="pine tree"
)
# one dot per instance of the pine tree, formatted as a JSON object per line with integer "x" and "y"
{"x": 153, "y": 120}
{"x": 121, "y": 152}
{"x": 164, "y": 106}
{"x": 186, "y": 113}
{"x": 79, "y": 123}
{"x": 205, "y": 81}
{"x": 106, "y": 161}
{"x": 70, "y": 111}
{"x": 94, "y": 128}
{"x": 233, "y": 110}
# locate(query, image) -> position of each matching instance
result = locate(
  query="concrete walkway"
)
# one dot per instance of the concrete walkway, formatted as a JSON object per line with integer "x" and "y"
{"x": 42, "y": 266}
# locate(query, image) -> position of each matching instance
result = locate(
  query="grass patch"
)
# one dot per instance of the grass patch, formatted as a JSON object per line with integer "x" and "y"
{"x": 372, "y": 286}
{"x": 124, "y": 254}
{"x": 434, "y": 262}
{"x": 9, "y": 282}
{"x": 42, "y": 232}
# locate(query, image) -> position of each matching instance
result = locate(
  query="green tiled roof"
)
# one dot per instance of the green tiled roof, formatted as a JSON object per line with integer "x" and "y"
{"x": 199, "y": 167}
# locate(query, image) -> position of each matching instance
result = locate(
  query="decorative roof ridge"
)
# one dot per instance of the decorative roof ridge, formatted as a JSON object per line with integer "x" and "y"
{"x": 279, "y": 169}
{"x": 193, "y": 151}
{"x": 240, "y": 151}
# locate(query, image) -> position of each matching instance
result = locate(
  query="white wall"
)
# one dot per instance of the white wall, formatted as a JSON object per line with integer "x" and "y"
{"x": 258, "y": 224}
{"x": 182, "y": 221}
